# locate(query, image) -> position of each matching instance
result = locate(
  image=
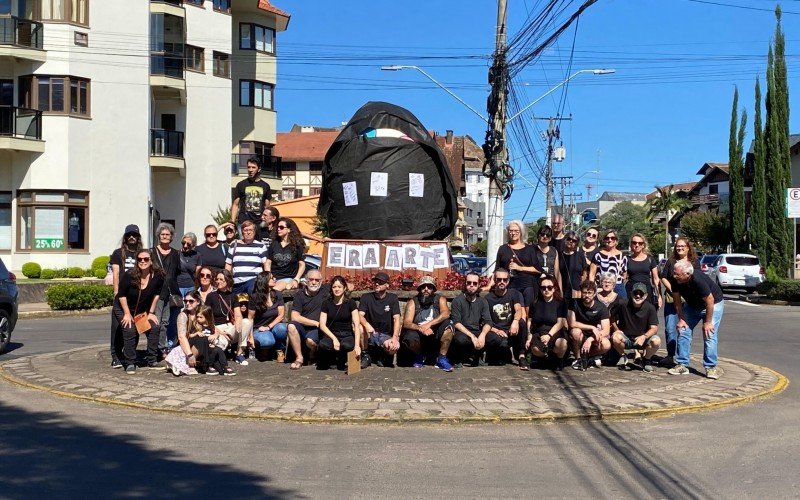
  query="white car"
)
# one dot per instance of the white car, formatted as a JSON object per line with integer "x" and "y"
{"x": 737, "y": 270}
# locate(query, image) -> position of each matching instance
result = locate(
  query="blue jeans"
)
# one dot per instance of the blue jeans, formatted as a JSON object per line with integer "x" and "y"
{"x": 694, "y": 316}
{"x": 276, "y": 337}
{"x": 186, "y": 290}
{"x": 670, "y": 331}
{"x": 621, "y": 291}
{"x": 245, "y": 286}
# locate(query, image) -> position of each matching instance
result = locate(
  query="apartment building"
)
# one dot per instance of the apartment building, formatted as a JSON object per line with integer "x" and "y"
{"x": 116, "y": 112}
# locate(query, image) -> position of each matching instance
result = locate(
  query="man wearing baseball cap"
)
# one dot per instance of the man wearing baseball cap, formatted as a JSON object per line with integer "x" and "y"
{"x": 122, "y": 260}
{"x": 426, "y": 326}
{"x": 637, "y": 328}
{"x": 380, "y": 320}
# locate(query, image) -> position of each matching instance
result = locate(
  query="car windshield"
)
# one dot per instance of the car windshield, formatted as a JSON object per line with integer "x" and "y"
{"x": 709, "y": 259}
{"x": 742, "y": 260}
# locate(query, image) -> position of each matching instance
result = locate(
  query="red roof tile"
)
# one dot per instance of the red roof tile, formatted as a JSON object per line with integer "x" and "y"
{"x": 303, "y": 146}
{"x": 265, "y": 5}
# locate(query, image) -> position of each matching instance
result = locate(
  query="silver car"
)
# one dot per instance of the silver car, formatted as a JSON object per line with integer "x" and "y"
{"x": 737, "y": 270}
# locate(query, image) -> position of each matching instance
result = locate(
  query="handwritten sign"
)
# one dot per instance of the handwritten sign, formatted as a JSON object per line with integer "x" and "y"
{"x": 350, "y": 194}
{"x": 416, "y": 185}
{"x": 379, "y": 184}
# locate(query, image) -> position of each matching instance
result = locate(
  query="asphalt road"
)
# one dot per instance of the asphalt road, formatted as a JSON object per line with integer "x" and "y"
{"x": 56, "y": 447}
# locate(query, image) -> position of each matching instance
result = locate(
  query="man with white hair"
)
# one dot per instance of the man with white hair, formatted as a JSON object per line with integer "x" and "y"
{"x": 703, "y": 301}
{"x": 304, "y": 324}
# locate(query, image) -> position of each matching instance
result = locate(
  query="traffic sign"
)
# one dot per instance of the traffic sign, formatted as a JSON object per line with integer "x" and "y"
{"x": 793, "y": 203}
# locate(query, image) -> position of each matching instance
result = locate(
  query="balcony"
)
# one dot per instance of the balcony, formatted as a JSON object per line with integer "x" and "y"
{"x": 167, "y": 76}
{"x": 21, "y": 129}
{"x": 171, "y": 7}
{"x": 705, "y": 199}
{"x": 166, "y": 150}
{"x": 270, "y": 165}
{"x": 22, "y": 39}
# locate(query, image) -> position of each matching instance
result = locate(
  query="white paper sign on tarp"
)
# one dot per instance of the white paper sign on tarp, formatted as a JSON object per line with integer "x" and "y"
{"x": 793, "y": 203}
{"x": 371, "y": 256}
{"x": 394, "y": 258}
{"x": 336, "y": 254}
{"x": 410, "y": 251}
{"x": 353, "y": 259}
{"x": 441, "y": 261}
{"x": 426, "y": 259}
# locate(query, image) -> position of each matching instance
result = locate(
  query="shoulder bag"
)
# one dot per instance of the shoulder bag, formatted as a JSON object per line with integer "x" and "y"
{"x": 140, "y": 320}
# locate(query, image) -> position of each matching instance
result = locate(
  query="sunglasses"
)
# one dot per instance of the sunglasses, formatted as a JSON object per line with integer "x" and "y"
{"x": 501, "y": 280}
{"x": 209, "y": 235}
{"x": 472, "y": 283}
{"x": 190, "y": 301}
{"x": 544, "y": 236}
{"x": 591, "y": 235}
{"x": 429, "y": 287}
{"x": 610, "y": 238}
{"x": 548, "y": 288}
{"x": 377, "y": 282}
{"x": 186, "y": 244}
{"x": 282, "y": 227}
{"x": 143, "y": 259}
{"x": 229, "y": 231}
{"x": 681, "y": 246}
{"x": 638, "y": 295}
{"x": 205, "y": 275}
{"x": 574, "y": 240}
{"x": 637, "y": 243}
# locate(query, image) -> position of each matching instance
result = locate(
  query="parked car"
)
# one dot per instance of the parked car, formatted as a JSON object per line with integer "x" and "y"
{"x": 8, "y": 305}
{"x": 460, "y": 265}
{"x": 312, "y": 261}
{"x": 738, "y": 270}
{"x": 708, "y": 262}
{"x": 477, "y": 264}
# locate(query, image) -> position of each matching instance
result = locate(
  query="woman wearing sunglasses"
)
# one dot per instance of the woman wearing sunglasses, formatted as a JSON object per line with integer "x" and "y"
{"x": 610, "y": 260}
{"x": 204, "y": 282}
{"x": 266, "y": 311}
{"x": 642, "y": 268}
{"x": 190, "y": 261}
{"x": 231, "y": 329}
{"x": 212, "y": 252}
{"x": 285, "y": 255}
{"x": 548, "y": 323}
{"x": 184, "y": 356}
{"x": 575, "y": 268}
{"x": 547, "y": 255}
{"x": 139, "y": 291}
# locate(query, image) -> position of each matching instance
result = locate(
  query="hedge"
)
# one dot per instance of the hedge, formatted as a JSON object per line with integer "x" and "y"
{"x": 100, "y": 273}
{"x": 31, "y": 270}
{"x": 788, "y": 290}
{"x": 69, "y": 296}
{"x": 75, "y": 272}
{"x": 47, "y": 274}
{"x": 100, "y": 263}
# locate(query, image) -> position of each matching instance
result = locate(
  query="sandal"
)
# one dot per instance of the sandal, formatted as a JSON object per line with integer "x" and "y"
{"x": 296, "y": 365}
{"x": 523, "y": 364}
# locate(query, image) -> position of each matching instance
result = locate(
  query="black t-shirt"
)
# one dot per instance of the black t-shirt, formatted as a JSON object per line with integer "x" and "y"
{"x": 697, "y": 289}
{"x": 188, "y": 267}
{"x": 339, "y": 316}
{"x": 573, "y": 268}
{"x": 545, "y": 314}
{"x": 379, "y": 312}
{"x": 285, "y": 260}
{"x": 590, "y": 315}
{"x": 221, "y": 304}
{"x": 125, "y": 263}
{"x": 633, "y": 322}
{"x": 502, "y": 308}
{"x": 613, "y": 307}
{"x": 309, "y": 307}
{"x": 558, "y": 243}
{"x": 546, "y": 261}
{"x": 525, "y": 257}
{"x": 639, "y": 271}
{"x": 139, "y": 303}
{"x": 253, "y": 197}
{"x": 265, "y": 315}
{"x": 169, "y": 265}
{"x": 212, "y": 257}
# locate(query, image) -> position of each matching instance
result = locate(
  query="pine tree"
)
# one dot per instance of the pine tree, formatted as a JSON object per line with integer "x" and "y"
{"x": 736, "y": 171}
{"x": 758, "y": 198}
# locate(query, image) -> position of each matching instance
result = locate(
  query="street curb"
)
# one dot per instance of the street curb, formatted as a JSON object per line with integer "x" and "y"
{"x": 780, "y": 385}
{"x": 771, "y": 302}
{"x": 59, "y": 314}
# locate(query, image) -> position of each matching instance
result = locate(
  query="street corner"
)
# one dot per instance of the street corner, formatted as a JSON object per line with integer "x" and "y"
{"x": 270, "y": 391}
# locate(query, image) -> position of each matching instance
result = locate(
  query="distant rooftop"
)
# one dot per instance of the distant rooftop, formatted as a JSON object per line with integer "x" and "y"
{"x": 622, "y": 196}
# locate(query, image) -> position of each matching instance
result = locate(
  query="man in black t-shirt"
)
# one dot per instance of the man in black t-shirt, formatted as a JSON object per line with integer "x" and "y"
{"x": 507, "y": 327}
{"x": 306, "y": 306}
{"x": 380, "y": 320}
{"x": 704, "y": 302}
{"x": 589, "y": 328}
{"x": 122, "y": 260}
{"x": 637, "y": 328}
{"x": 251, "y": 195}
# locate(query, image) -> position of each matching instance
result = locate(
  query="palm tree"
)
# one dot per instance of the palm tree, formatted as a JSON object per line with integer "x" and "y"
{"x": 669, "y": 203}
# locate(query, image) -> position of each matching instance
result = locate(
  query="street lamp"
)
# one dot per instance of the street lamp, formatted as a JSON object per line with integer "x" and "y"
{"x": 396, "y": 67}
{"x": 606, "y": 71}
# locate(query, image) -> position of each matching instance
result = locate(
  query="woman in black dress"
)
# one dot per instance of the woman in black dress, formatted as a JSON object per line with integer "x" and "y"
{"x": 548, "y": 323}
{"x": 546, "y": 255}
{"x": 340, "y": 325}
{"x": 575, "y": 268}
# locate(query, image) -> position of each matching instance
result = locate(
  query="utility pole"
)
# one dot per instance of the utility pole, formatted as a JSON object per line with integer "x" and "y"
{"x": 552, "y": 133}
{"x": 499, "y": 155}
{"x": 565, "y": 180}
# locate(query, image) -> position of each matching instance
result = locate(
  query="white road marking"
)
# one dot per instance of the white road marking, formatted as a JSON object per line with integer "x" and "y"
{"x": 743, "y": 303}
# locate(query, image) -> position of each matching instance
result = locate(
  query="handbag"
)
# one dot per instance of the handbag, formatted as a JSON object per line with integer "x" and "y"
{"x": 140, "y": 320}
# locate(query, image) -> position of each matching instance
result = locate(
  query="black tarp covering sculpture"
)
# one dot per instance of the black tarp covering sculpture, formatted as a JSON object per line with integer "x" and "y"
{"x": 384, "y": 177}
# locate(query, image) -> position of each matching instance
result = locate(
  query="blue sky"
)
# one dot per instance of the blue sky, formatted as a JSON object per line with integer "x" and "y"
{"x": 663, "y": 113}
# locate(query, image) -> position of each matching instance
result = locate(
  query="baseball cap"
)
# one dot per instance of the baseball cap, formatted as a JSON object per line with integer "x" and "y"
{"x": 427, "y": 280}
{"x": 639, "y": 287}
{"x": 132, "y": 229}
{"x": 381, "y": 277}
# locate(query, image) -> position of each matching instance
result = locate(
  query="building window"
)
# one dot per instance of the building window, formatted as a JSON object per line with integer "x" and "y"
{"x": 316, "y": 191}
{"x": 222, "y": 64}
{"x": 256, "y": 37}
{"x": 713, "y": 189}
{"x": 69, "y": 11}
{"x": 291, "y": 194}
{"x": 56, "y": 94}
{"x": 288, "y": 166}
{"x": 315, "y": 167}
{"x": 195, "y": 59}
{"x": 253, "y": 93}
{"x": 53, "y": 220}
{"x": 5, "y": 220}
{"x": 222, "y": 5}
{"x": 81, "y": 39}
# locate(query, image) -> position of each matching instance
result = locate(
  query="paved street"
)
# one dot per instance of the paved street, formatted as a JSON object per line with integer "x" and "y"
{"x": 743, "y": 451}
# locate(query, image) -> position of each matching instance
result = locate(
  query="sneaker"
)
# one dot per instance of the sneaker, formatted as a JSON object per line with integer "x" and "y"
{"x": 212, "y": 371}
{"x": 419, "y": 362}
{"x": 679, "y": 370}
{"x": 596, "y": 361}
{"x": 458, "y": 366}
{"x": 365, "y": 360}
{"x": 647, "y": 365}
{"x": 579, "y": 364}
{"x": 280, "y": 357}
{"x": 229, "y": 372}
{"x": 130, "y": 370}
{"x": 443, "y": 364}
{"x": 156, "y": 365}
{"x": 175, "y": 370}
{"x": 242, "y": 360}
{"x": 115, "y": 363}
{"x": 714, "y": 373}
{"x": 559, "y": 365}
{"x": 623, "y": 361}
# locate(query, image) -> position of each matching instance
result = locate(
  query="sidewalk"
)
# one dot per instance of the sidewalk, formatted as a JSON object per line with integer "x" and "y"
{"x": 486, "y": 394}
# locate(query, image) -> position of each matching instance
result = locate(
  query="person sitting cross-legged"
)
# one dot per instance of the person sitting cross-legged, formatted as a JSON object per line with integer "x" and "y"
{"x": 471, "y": 320}
{"x": 508, "y": 328}
{"x": 426, "y": 326}
{"x": 588, "y": 328}
{"x": 637, "y": 328}
{"x": 380, "y": 320}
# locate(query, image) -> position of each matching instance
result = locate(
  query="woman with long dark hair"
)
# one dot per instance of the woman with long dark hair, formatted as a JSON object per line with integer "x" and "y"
{"x": 575, "y": 267}
{"x": 285, "y": 255}
{"x": 266, "y": 311}
{"x": 610, "y": 260}
{"x": 138, "y": 293}
{"x": 340, "y": 324}
{"x": 548, "y": 323}
{"x": 234, "y": 330}
{"x": 547, "y": 255}
{"x": 183, "y": 357}
{"x": 681, "y": 251}
{"x": 204, "y": 282}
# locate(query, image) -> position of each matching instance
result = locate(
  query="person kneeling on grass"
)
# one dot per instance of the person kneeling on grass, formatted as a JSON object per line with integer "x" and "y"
{"x": 637, "y": 329}
{"x": 589, "y": 328}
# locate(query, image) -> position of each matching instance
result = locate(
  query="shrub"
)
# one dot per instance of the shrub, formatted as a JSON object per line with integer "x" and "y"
{"x": 62, "y": 272}
{"x": 100, "y": 263}
{"x": 788, "y": 290}
{"x": 75, "y": 272}
{"x": 31, "y": 270}
{"x": 47, "y": 274}
{"x": 100, "y": 274}
{"x": 71, "y": 296}
{"x": 88, "y": 273}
